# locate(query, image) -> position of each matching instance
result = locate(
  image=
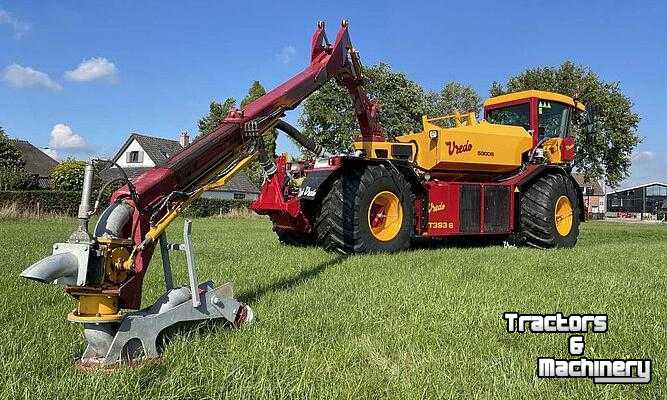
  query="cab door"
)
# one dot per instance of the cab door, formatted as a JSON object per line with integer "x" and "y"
{"x": 553, "y": 130}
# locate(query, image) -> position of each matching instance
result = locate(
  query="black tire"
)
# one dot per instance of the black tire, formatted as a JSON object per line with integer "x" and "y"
{"x": 538, "y": 203}
{"x": 342, "y": 222}
{"x": 292, "y": 238}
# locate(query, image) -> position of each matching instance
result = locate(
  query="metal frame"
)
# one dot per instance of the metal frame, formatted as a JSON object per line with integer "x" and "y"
{"x": 196, "y": 302}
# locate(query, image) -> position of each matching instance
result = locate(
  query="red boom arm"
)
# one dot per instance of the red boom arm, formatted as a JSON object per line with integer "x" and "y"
{"x": 194, "y": 164}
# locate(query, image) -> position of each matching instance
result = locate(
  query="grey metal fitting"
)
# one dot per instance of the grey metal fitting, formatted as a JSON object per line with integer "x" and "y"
{"x": 86, "y": 193}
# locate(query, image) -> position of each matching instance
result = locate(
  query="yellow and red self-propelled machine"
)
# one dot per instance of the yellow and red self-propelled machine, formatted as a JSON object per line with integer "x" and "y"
{"x": 507, "y": 176}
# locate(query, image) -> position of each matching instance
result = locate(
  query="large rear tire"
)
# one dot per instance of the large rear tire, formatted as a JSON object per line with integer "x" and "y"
{"x": 368, "y": 209}
{"x": 550, "y": 212}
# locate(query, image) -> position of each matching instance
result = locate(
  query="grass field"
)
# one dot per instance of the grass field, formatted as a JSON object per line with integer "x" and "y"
{"x": 420, "y": 324}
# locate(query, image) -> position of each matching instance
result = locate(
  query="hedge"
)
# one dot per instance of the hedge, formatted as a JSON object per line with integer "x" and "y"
{"x": 49, "y": 201}
{"x": 67, "y": 203}
{"x": 207, "y": 207}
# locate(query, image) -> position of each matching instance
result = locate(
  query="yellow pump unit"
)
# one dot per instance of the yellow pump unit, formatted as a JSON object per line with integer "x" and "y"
{"x": 458, "y": 143}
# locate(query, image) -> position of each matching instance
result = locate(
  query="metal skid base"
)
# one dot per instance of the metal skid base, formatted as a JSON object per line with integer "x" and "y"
{"x": 142, "y": 328}
{"x": 137, "y": 333}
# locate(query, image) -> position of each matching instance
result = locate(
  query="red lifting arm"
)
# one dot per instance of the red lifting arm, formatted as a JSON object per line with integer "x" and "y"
{"x": 194, "y": 165}
{"x": 190, "y": 166}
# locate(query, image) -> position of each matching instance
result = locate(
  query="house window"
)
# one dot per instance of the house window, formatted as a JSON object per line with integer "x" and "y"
{"x": 588, "y": 190}
{"x": 135, "y": 156}
{"x": 239, "y": 196}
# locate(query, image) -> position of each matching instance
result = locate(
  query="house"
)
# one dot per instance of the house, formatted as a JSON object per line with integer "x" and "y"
{"x": 37, "y": 163}
{"x": 594, "y": 196}
{"x": 140, "y": 153}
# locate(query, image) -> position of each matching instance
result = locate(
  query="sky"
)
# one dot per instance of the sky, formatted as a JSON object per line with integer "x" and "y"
{"x": 79, "y": 77}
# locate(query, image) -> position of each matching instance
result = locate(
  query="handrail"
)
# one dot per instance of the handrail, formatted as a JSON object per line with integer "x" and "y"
{"x": 459, "y": 119}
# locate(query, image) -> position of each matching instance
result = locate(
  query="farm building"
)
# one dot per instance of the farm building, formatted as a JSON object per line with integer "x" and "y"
{"x": 140, "y": 153}
{"x": 643, "y": 201}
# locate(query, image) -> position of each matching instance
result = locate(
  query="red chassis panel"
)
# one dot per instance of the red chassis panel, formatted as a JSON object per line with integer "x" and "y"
{"x": 442, "y": 208}
{"x": 445, "y": 202}
{"x": 285, "y": 211}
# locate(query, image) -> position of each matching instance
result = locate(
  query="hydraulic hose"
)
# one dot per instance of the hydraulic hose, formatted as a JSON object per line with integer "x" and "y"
{"x": 300, "y": 138}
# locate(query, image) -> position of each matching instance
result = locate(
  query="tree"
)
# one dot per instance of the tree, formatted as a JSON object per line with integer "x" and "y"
{"x": 12, "y": 173}
{"x": 608, "y": 151}
{"x": 218, "y": 111}
{"x": 328, "y": 114}
{"x": 68, "y": 175}
{"x": 453, "y": 97}
{"x": 216, "y": 114}
{"x": 256, "y": 91}
{"x": 10, "y": 156}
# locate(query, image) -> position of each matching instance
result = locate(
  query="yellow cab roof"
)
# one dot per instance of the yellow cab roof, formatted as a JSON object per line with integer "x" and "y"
{"x": 561, "y": 98}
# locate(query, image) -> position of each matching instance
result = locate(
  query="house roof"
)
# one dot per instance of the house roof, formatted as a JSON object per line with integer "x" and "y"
{"x": 597, "y": 188}
{"x": 240, "y": 183}
{"x": 36, "y": 161}
{"x": 639, "y": 186}
{"x": 158, "y": 149}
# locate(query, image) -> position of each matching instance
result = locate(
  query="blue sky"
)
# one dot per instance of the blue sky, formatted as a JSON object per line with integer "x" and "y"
{"x": 82, "y": 75}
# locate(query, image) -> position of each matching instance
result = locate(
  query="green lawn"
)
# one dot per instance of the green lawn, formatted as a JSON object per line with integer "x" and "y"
{"x": 421, "y": 324}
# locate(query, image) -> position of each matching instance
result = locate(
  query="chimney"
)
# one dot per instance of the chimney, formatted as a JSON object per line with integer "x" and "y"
{"x": 184, "y": 139}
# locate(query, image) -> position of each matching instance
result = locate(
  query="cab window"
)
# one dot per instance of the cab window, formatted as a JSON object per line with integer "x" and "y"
{"x": 553, "y": 119}
{"x": 517, "y": 115}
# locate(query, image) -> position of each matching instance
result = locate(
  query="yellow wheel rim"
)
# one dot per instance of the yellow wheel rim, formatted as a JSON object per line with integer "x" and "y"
{"x": 385, "y": 216}
{"x": 563, "y": 215}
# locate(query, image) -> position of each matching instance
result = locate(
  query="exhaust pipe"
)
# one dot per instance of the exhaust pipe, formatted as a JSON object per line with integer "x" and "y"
{"x": 59, "y": 268}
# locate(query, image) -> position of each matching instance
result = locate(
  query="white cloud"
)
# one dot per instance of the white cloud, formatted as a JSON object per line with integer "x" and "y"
{"x": 21, "y": 77}
{"x": 286, "y": 54}
{"x": 63, "y": 138}
{"x": 50, "y": 152}
{"x": 18, "y": 26}
{"x": 643, "y": 156}
{"x": 91, "y": 69}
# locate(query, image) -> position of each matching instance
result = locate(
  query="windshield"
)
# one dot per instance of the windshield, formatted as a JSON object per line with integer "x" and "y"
{"x": 553, "y": 119}
{"x": 517, "y": 115}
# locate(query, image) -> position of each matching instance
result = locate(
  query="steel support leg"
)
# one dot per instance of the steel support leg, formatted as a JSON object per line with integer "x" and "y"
{"x": 190, "y": 258}
{"x": 166, "y": 264}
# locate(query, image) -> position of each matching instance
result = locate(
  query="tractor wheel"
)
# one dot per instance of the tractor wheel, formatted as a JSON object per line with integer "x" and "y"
{"x": 550, "y": 212}
{"x": 367, "y": 209}
{"x": 292, "y": 238}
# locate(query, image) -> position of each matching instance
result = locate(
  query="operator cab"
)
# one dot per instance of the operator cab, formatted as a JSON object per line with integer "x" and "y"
{"x": 545, "y": 115}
